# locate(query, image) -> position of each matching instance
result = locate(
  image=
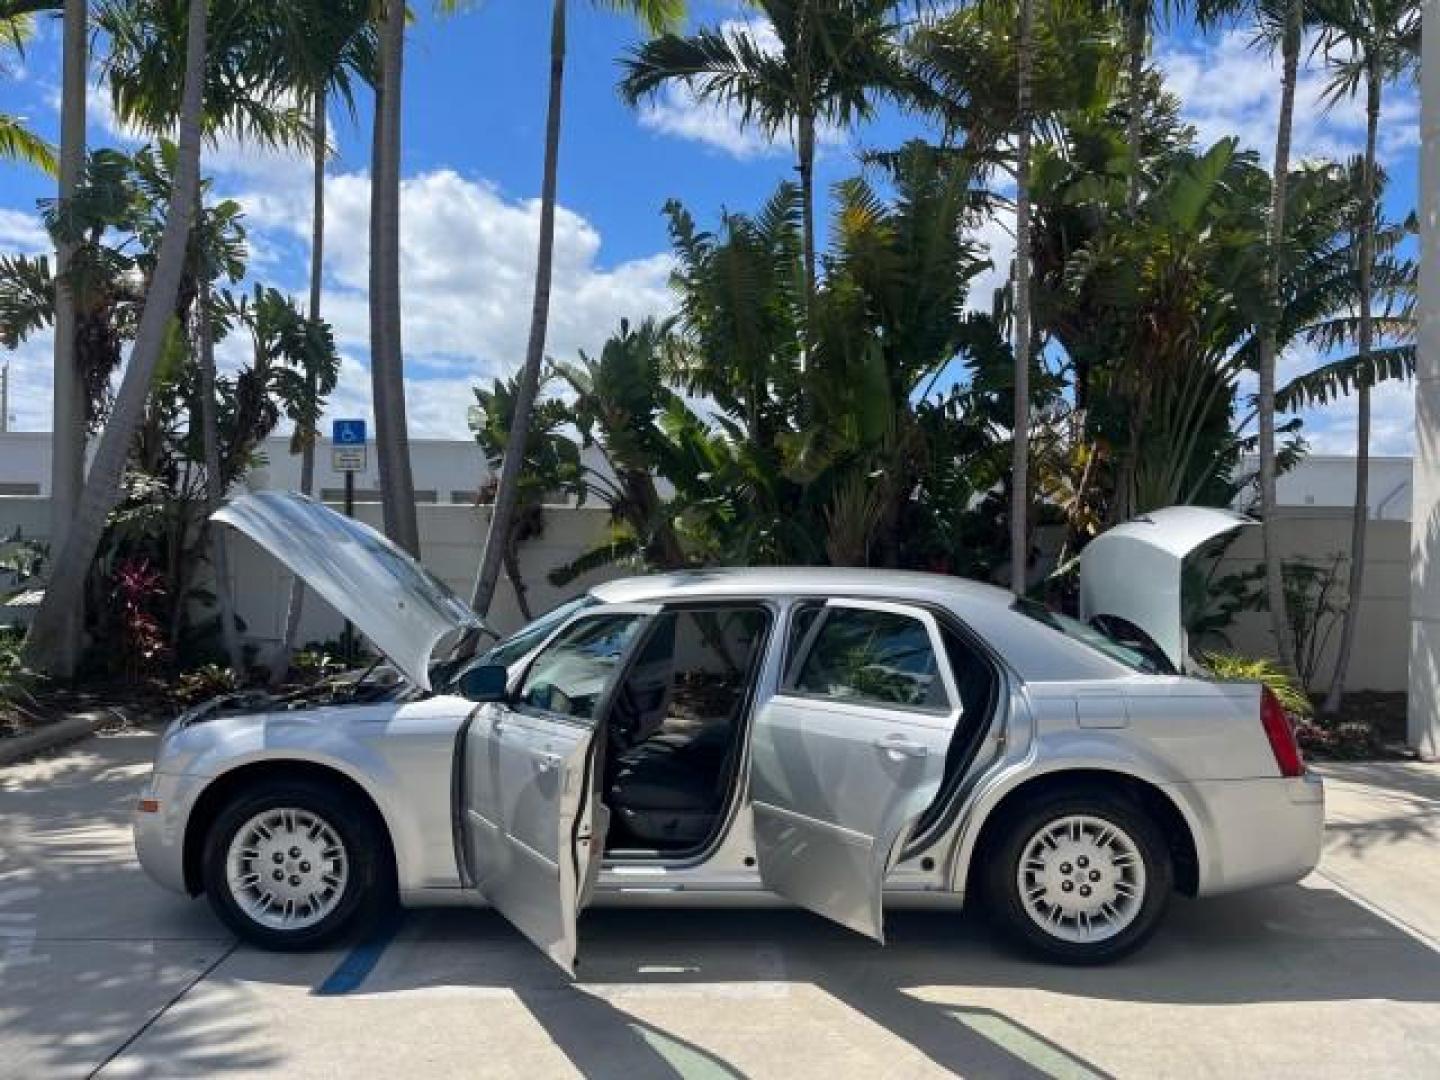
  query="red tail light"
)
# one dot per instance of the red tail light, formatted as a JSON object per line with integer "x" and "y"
{"x": 1281, "y": 734}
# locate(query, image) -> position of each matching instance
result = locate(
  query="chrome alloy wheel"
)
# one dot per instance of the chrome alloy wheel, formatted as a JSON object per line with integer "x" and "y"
{"x": 1081, "y": 879}
{"x": 286, "y": 868}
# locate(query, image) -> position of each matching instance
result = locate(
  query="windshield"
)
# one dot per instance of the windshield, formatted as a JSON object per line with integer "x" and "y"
{"x": 530, "y": 637}
{"x": 1088, "y": 635}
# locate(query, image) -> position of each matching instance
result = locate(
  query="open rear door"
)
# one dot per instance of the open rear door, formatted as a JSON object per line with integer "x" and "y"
{"x": 533, "y": 825}
{"x": 848, "y": 755}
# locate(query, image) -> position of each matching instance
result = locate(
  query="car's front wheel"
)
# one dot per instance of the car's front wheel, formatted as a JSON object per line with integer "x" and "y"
{"x": 293, "y": 864}
{"x": 1082, "y": 877}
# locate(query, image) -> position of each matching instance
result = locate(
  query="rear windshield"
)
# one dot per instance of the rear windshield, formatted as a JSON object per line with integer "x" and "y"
{"x": 1076, "y": 630}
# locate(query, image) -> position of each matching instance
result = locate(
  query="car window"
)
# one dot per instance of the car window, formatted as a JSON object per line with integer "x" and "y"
{"x": 530, "y": 636}
{"x": 569, "y": 677}
{"x": 878, "y": 657}
{"x": 1095, "y": 638}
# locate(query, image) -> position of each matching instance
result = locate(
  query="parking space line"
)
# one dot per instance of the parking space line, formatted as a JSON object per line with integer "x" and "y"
{"x": 143, "y": 1028}
{"x": 361, "y": 960}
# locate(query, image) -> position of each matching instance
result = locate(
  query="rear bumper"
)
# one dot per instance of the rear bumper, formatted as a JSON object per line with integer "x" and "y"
{"x": 1251, "y": 833}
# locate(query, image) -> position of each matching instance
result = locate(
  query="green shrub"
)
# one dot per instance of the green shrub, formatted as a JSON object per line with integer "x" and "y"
{"x": 1229, "y": 667}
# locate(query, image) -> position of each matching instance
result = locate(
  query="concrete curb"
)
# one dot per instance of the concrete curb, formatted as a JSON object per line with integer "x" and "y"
{"x": 60, "y": 733}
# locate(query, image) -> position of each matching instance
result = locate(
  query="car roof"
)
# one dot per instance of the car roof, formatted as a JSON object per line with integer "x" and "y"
{"x": 822, "y": 581}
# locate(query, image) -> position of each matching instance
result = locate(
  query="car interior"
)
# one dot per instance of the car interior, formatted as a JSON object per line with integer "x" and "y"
{"x": 676, "y": 727}
{"x": 676, "y": 724}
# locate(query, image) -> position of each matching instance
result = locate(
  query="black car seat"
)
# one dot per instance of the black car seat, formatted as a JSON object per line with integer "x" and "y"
{"x": 666, "y": 791}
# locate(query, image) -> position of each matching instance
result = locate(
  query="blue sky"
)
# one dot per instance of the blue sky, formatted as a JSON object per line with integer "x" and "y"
{"x": 474, "y": 114}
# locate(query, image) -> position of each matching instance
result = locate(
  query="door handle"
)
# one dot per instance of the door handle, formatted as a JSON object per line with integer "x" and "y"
{"x": 902, "y": 744}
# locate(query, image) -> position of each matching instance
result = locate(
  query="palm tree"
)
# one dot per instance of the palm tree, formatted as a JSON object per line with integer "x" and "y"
{"x": 387, "y": 361}
{"x": 1366, "y": 42}
{"x": 833, "y": 56}
{"x": 1020, "y": 464}
{"x": 321, "y": 45}
{"x": 44, "y": 646}
{"x": 656, "y": 16}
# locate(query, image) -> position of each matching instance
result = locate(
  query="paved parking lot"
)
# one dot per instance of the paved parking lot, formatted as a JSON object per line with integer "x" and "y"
{"x": 101, "y": 971}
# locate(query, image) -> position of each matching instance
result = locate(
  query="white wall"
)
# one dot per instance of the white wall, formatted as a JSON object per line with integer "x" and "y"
{"x": 1382, "y": 635}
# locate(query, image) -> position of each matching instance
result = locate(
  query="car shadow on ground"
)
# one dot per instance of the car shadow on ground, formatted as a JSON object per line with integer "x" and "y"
{"x": 1291, "y": 944}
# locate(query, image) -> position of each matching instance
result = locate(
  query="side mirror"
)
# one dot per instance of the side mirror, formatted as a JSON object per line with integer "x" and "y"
{"x": 487, "y": 682}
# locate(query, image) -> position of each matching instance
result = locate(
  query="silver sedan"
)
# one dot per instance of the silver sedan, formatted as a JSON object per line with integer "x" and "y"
{"x": 848, "y": 741}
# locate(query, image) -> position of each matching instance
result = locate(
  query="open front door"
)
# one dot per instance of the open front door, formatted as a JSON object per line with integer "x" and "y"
{"x": 849, "y": 754}
{"x": 533, "y": 825}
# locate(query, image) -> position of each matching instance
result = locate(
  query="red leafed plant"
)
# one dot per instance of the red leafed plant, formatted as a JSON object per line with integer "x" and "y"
{"x": 139, "y": 590}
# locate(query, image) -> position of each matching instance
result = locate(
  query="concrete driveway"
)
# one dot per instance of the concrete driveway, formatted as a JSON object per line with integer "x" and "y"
{"x": 102, "y": 972}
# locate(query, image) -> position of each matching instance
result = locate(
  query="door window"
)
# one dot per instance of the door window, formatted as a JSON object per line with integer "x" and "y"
{"x": 571, "y": 675}
{"x": 873, "y": 657}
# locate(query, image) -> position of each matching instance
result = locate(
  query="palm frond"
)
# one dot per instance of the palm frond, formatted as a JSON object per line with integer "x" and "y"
{"x": 1339, "y": 378}
{"x": 19, "y": 143}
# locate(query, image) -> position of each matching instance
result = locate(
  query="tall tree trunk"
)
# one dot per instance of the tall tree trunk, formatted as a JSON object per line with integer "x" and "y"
{"x": 280, "y": 663}
{"x": 214, "y": 482}
{"x": 805, "y": 146}
{"x": 1135, "y": 26}
{"x": 387, "y": 361}
{"x": 502, "y": 514}
{"x": 805, "y": 165}
{"x": 44, "y": 647}
{"x": 1361, "y": 521}
{"x": 68, "y": 420}
{"x": 1020, "y": 463}
{"x": 1274, "y": 577}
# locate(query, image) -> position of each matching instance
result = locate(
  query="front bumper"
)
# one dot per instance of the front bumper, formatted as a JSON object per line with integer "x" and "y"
{"x": 160, "y": 833}
{"x": 1255, "y": 832}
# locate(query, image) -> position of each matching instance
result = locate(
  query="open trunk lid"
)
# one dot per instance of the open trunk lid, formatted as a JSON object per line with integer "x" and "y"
{"x": 1133, "y": 572}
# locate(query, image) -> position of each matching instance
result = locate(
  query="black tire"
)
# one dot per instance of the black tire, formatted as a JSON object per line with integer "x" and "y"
{"x": 369, "y": 888}
{"x": 999, "y": 877}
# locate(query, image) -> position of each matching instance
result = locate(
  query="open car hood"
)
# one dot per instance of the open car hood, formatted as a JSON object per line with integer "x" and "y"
{"x": 1133, "y": 572}
{"x": 400, "y": 606}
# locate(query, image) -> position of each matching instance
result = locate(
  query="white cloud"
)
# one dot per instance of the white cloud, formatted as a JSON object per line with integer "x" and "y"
{"x": 1331, "y": 429}
{"x": 996, "y": 236}
{"x": 30, "y": 382}
{"x": 467, "y": 275}
{"x": 22, "y": 233}
{"x": 1229, "y": 88}
{"x": 467, "y": 279}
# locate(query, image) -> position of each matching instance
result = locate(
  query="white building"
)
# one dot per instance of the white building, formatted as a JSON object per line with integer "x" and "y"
{"x": 450, "y": 471}
{"x": 445, "y": 470}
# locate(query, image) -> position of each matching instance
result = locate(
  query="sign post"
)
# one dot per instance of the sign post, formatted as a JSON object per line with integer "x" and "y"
{"x": 348, "y": 455}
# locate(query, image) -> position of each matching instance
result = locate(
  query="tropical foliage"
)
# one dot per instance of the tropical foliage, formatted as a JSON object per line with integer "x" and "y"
{"x": 832, "y": 386}
{"x": 142, "y": 582}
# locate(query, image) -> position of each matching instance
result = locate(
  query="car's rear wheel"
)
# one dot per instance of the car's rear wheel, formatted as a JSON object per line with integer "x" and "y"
{"x": 1082, "y": 877}
{"x": 293, "y": 864}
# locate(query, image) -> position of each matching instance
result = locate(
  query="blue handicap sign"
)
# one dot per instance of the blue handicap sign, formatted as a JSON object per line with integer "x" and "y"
{"x": 348, "y": 432}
